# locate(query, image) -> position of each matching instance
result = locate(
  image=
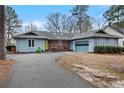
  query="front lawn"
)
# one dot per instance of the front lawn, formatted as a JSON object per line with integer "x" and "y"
{"x": 102, "y": 70}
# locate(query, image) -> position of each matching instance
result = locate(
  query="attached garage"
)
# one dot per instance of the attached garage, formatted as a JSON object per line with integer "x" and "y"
{"x": 82, "y": 46}
{"x": 87, "y": 41}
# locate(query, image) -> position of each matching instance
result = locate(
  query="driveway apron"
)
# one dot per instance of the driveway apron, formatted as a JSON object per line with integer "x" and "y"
{"x": 41, "y": 71}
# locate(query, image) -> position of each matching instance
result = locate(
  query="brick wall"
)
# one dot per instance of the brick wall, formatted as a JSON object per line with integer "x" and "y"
{"x": 58, "y": 45}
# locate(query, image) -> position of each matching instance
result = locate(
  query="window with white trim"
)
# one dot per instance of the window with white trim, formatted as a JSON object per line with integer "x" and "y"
{"x": 31, "y": 43}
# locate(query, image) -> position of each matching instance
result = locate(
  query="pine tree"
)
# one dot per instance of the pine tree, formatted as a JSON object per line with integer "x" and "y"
{"x": 83, "y": 22}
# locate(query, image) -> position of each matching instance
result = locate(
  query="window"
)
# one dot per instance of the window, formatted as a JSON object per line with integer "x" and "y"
{"x": 31, "y": 43}
{"x": 123, "y": 43}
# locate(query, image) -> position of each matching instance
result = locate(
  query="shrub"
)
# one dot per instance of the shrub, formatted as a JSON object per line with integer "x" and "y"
{"x": 123, "y": 49}
{"x": 108, "y": 49}
{"x": 38, "y": 50}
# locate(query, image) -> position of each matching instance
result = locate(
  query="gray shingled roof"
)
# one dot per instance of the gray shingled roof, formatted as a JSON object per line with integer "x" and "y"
{"x": 51, "y": 36}
{"x": 93, "y": 34}
{"x": 121, "y": 30}
{"x": 44, "y": 35}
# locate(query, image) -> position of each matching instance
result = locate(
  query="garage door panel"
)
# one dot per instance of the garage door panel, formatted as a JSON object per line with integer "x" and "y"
{"x": 82, "y": 47}
{"x": 81, "y": 44}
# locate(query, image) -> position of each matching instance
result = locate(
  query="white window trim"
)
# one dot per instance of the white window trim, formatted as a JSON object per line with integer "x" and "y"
{"x": 31, "y": 43}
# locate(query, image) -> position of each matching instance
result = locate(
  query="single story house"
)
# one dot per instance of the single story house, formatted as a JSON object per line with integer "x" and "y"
{"x": 112, "y": 30}
{"x": 48, "y": 41}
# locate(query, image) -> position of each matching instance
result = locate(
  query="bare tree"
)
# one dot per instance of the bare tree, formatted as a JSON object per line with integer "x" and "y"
{"x": 26, "y": 28}
{"x": 99, "y": 23}
{"x": 67, "y": 24}
{"x": 58, "y": 23}
{"x": 2, "y": 34}
{"x": 53, "y": 23}
{"x": 31, "y": 27}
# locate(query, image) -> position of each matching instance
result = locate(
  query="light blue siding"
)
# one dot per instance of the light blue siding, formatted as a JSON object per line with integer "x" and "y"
{"x": 22, "y": 45}
{"x": 106, "y": 42}
{"x": 72, "y": 45}
{"x": 94, "y": 42}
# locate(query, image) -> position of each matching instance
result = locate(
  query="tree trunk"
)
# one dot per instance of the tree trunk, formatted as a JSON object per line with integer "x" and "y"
{"x": 2, "y": 34}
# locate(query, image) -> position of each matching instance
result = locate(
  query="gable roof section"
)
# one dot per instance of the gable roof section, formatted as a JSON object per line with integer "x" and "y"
{"x": 52, "y": 36}
{"x": 120, "y": 30}
{"x": 28, "y": 35}
{"x": 44, "y": 35}
{"x": 97, "y": 33}
{"x": 31, "y": 33}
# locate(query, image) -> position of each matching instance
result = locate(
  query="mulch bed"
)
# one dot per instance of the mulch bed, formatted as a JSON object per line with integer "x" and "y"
{"x": 5, "y": 67}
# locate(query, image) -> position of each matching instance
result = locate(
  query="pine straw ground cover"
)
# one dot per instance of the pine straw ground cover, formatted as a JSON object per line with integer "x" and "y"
{"x": 102, "y": 70}
{"x": 5, "y": 67}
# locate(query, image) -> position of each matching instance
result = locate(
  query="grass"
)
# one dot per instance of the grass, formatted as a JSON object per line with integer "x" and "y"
{"x": 106, "y": 63}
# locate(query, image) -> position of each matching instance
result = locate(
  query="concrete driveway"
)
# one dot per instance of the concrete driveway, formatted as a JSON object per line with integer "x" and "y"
{"x": 41, "y": 71}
